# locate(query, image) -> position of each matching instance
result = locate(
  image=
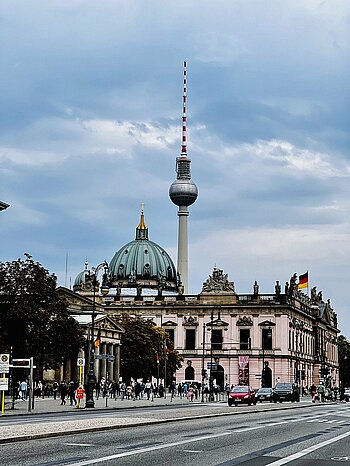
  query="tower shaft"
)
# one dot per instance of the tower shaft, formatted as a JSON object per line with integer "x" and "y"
{"x": 182, "y": 246}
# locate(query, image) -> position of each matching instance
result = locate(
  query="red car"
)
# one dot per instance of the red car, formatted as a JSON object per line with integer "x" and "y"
{"x": 241, "y": 394}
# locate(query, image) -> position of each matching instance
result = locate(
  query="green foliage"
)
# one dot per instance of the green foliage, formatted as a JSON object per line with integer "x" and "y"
{"x": 344, "y": 360}
{"x": 34, "y": 319}
{"x": 141, "y": 343}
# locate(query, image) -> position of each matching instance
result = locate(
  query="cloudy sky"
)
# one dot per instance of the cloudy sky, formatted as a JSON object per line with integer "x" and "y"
{"x": 91, "y": 125}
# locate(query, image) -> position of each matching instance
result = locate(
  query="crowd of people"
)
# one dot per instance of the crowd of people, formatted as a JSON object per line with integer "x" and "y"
{"x": 139, "y": 390}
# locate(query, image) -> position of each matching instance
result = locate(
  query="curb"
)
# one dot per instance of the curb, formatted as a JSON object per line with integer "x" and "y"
{"x": 139, "y": 424}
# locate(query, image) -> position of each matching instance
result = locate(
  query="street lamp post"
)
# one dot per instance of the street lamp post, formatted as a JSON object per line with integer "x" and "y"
{"x": 203, "y": 364}
{"x": 91, "y": 378}
{"x": 217, "y": 323}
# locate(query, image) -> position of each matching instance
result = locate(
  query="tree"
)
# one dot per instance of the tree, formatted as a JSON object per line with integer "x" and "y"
{"x": 142, "y": 344}
{"x": 34, "y": 319}
{"x": 344, "y": 360}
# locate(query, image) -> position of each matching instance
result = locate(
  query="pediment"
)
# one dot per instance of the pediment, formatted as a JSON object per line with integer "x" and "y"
{"x": 169, "y": 323}
{"x": 108, "y": 323}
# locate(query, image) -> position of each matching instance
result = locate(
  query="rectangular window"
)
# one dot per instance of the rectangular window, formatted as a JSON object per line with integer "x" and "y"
{"x": 266, "y": 335}
{"x": 216, "y": 339}
{"x": 244, "y": 338}
{"x": 171, "y": 334}
{"x": 190, "y": 339}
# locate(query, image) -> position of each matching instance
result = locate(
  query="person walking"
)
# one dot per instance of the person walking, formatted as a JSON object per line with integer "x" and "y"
{"x": 23, "y": 389}
{"x": 321, "y": 391}
{"x": 63, "y": 392}
{"x": 71, "y": 392}
{"x": 313, "y": 391}
{"x": 148, "y": 387}
{"x": 55, "y": 389}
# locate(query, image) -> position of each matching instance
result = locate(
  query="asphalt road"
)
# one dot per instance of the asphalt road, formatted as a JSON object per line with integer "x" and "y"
{"x": 314, "y": 435}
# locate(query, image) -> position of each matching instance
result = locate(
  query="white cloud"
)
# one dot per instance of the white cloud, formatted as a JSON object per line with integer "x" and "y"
{"x": 218, "y": 47}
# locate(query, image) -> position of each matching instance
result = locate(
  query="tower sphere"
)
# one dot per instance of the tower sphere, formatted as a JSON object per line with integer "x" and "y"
{"x": 183, "y": 192}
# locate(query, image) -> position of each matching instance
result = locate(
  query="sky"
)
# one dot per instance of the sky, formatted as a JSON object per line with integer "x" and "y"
{"x": 90, "y": 127}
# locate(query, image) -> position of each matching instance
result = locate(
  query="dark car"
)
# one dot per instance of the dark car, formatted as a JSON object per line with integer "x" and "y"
{"x": 241, "y": 394}
{"x": 286, "y": 392}
{"x": 264, "y": 394}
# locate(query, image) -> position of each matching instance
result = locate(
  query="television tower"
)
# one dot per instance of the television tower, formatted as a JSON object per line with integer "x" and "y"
{"x": 183, "y": 192}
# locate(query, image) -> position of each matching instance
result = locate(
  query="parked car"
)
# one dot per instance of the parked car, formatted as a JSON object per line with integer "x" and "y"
{"x": 346, "y": 396}
{"x": 241, "y": 394}
{"x": 264, "y": 394}
{"x": 286, "y": 392}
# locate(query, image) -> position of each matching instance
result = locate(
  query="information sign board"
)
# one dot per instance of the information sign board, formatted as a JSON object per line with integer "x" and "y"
{"x": 4, "y": 384}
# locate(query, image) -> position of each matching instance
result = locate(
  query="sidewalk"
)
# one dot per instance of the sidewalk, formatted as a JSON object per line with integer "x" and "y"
{"x": 49, "y": 405}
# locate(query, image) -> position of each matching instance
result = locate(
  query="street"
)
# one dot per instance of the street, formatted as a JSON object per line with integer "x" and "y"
{"x": 254, "y": 436}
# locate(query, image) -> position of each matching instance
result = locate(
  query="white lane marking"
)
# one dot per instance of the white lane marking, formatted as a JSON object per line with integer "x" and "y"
{"x": 175, "y": 444}
{"x": 144, "y": 450}
{"x": 193, "y": 451}
{"x": 308, "y": 450}
{"x": 79, "y": 444}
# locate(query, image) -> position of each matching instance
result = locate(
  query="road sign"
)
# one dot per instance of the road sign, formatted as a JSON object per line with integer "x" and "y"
{"x": 212, "y": 366}
{"x": 24, "y": 362}
{"x": 5, "y": 359}
{"x": 4, "y": 368}
{"x": 109, "y": 357}
{"x": 80, "y": 362}
{"x": 4, "y": 384}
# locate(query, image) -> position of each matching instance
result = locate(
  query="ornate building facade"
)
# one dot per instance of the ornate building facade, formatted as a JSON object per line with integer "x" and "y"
{"x": 254, "y": 338}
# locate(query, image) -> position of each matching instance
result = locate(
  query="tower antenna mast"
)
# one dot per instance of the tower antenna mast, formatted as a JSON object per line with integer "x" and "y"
{"x": 183, "y": 192}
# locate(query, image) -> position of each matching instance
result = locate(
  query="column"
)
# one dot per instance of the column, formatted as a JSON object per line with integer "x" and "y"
{"x": 103, "y": 361}
{"x": 109, "y": 363}
{"x": 116, "y": 366}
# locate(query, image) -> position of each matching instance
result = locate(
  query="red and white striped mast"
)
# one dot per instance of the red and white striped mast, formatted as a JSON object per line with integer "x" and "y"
{"x": 183, "y": 192}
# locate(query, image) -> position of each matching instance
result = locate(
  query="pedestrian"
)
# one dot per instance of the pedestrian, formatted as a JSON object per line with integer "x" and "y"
{"x": 80, "y": 393}
{"x": 321, "y": 392}
{"x": 122, "y": 389}
{"x": 148, "y": 387}
{"x": 190, "y": 393}
{"x": 23, "y": 389}
{"x": 137, "y": 390}
{"x": 313, "y": 391}
{"x": 55, "y": 389}
{"x": 71, "y": 392}
{"x": 63, "y": 389}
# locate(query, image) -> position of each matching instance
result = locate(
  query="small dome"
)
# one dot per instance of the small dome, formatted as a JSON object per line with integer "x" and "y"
{"x": 183, "y": 192}
{"x": 81, "y": 279}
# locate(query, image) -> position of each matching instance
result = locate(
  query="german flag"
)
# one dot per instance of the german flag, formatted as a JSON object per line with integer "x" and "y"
{"x": 304, "y": 280}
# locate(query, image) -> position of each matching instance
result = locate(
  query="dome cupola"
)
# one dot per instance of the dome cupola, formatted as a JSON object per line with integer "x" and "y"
{"x": 141, "y": 263}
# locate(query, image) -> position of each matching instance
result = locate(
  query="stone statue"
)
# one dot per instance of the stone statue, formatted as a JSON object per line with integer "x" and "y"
{"x": 277, "y": 288}
{"x": 218, "y": 282}
{"x": 256, "y": 288}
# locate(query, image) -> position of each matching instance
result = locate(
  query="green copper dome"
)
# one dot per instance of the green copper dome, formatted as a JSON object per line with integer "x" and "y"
{"x": 142, "y": 264}
{"x": 80, "y": 281}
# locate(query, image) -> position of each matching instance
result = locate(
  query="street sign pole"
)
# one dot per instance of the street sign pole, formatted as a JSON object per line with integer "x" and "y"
{"x": 31, "y": 387}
